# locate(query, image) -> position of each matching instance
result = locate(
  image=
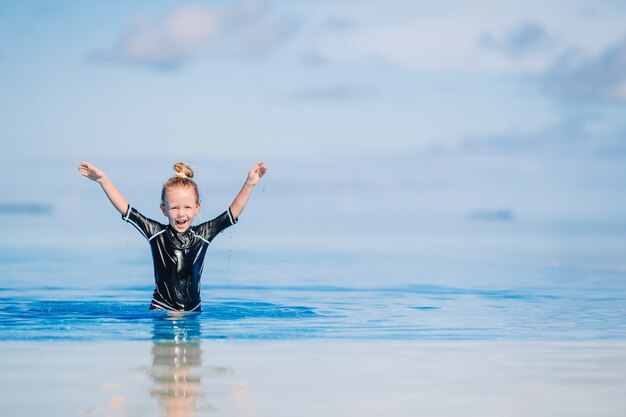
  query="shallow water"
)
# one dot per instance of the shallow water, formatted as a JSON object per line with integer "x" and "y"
{"x": 91, "y": 294}
{"x": 183, "y": 376}
{"x": 463, "y": 329}
{"x": 303, "y": 312}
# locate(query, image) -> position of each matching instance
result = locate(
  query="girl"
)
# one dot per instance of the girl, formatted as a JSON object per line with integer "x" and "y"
{"x": 178, "y": 248}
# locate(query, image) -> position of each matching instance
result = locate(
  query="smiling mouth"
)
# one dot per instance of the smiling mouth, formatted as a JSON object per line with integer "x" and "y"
{"x": 180, "y": 222}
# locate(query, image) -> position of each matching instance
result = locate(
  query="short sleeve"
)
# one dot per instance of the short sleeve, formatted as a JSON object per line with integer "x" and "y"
{"x": 212, "y": 228}
{"x": 147, "y": 227}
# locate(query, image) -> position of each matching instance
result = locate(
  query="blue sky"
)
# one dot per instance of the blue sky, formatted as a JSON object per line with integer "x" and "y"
{"x": 285, "y": 78}
{"x": 403, "y": 108}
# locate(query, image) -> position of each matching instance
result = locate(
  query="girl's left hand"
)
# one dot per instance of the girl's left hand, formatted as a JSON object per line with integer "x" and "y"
{"x": 256, "y": 173}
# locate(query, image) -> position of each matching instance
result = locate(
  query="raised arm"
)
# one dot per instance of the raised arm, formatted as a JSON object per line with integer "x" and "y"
{"x": 95, "y": 174}
{"x": 254, "y": 176}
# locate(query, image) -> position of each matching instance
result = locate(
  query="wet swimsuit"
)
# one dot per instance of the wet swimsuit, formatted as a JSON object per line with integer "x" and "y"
{"x": 178, "y": 258}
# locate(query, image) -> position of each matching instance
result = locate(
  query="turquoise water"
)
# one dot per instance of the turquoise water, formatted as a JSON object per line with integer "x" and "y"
{"x": 62, "y": 295}
{"x": 435, "y": 245}
{"x": 78, "y": 336}
{"x": 466, "y": 312}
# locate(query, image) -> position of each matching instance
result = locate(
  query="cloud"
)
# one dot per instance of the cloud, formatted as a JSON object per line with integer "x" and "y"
{"x": 183, "y": 34}
{"x": 596, "y": 79}
{"x": 253, "y": 27}
{"x": 188, "y": 32}
{"x": 332, "y": 93}
{"x": 339, "y": 24}
{"x": 528, "y": 38}
{"x": 312, "y": 59}
{"x": 488, "y": 36}
{"x": 446, "y": 43}
{"x": 31, "y": 209}
{"x": 492, "y": 215}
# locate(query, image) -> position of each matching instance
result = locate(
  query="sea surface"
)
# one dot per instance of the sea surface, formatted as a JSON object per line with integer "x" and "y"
{"x": 328, "y": 312}
{"x": 78, "y": 337}
{"x": 83, "y": 296}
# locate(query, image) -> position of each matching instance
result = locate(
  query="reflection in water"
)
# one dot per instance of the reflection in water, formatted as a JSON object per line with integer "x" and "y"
{"x": 177, "y": 368}
{"x": 176, "y": 360}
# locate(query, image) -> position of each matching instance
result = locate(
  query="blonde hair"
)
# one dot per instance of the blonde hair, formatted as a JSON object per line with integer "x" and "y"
{"x": 182, "y": 178}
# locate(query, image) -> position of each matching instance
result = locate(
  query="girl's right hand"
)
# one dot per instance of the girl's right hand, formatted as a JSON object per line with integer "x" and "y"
{"x": 90, "y": 171}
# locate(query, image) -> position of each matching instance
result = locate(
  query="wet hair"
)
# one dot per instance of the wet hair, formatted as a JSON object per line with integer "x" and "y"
{"x": 182, "y": 178}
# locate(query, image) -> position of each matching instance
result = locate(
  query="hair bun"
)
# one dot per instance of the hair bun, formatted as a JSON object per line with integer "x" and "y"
{"x": 182, "y": 170}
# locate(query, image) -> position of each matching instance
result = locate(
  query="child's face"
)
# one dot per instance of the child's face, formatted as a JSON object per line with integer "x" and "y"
{"x": 180, "y": 207}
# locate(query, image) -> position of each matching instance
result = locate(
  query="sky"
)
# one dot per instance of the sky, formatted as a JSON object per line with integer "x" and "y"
{"x": 407, "y": 112}
{"x": 298, "y": 78}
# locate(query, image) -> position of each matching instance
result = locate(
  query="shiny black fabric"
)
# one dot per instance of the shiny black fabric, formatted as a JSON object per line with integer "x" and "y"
{"x": 178, "y": 258}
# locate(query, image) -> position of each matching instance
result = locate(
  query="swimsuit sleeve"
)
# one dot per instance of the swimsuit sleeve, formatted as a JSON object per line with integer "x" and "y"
{"x": 147, "y": 227}
{"x": 210, "y": 229}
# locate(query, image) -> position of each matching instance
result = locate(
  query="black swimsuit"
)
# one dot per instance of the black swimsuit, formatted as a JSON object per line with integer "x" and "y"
{"x": 178, "y": 258}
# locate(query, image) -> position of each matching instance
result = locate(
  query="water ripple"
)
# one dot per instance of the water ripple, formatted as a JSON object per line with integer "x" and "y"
{"x": 292, "y": 312}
